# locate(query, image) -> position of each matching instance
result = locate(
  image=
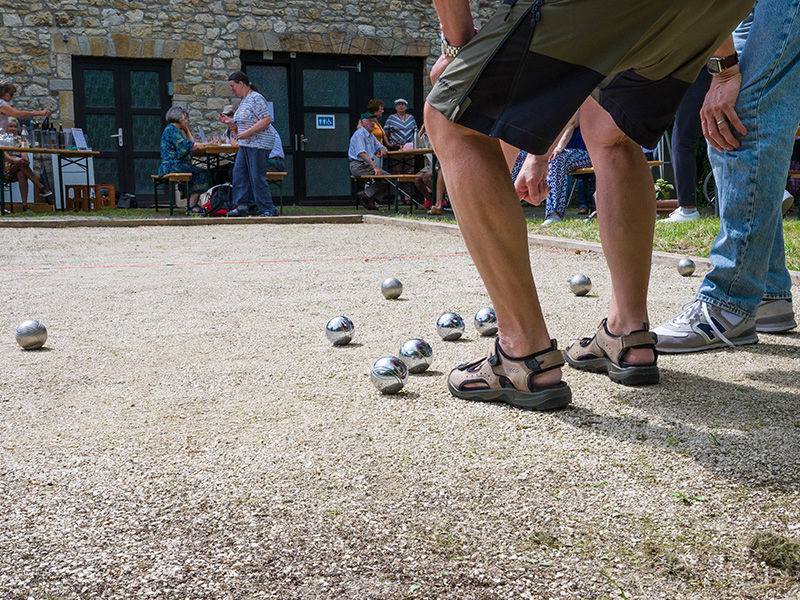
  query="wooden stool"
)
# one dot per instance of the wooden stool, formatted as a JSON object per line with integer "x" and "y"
{"x": 277, "y": 177}
{"x": 171, "y": 180}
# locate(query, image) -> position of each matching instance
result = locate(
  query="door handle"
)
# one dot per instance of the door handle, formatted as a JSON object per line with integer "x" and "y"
{"x": 118, "y": 135}
{"x": 303, "y": 140}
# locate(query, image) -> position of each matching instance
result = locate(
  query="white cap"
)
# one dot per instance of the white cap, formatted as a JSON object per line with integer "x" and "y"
{"x": 399, "y": 100}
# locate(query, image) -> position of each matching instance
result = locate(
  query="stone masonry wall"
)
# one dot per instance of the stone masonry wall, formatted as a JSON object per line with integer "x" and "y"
{"x": 202, "y": 38}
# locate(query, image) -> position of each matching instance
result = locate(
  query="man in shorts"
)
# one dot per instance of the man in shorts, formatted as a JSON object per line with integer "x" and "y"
{"x": 626, "y": 65}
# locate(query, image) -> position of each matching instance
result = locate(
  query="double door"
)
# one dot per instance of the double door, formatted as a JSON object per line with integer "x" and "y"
{"x": 120, "y": 105}
{"x": 317, "y": 100}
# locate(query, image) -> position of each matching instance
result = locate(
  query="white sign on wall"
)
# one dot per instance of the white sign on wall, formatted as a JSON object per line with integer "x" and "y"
{"x": 326, "y": 121}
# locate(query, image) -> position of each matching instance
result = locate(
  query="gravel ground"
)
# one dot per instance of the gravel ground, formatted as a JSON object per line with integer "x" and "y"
{"x": 188, "y": 432}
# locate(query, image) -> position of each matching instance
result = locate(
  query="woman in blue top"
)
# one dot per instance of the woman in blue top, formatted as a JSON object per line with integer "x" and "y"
{"x": 177, "y": 144}
{"x": 252, "y": 125}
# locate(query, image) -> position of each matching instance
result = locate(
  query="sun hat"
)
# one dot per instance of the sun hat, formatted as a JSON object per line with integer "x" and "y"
{"x": 367, "y": 115}
{"x": 399, "y": 100}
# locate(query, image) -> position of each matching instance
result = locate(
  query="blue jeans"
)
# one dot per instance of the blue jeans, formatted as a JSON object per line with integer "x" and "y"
{"x": 748, "y": 254}
{"x": 250, "y": 179}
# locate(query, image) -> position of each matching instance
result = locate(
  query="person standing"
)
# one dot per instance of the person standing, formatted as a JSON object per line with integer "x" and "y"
{"x": 748, "y": 289}
{"x": 252, "y": 119}
{"x": 627, "y": 64}
{"x": 7, "y": 91}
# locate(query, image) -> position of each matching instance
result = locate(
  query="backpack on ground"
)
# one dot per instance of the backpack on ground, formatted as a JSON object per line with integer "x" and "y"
{"x": 219, "y": 200}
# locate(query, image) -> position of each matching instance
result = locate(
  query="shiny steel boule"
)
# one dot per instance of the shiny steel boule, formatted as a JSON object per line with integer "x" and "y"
{"x": 388, "y": 374}
{"x": 580, "y": 284}
{"x": 486, "y": 321}
{"x": 417, "y": 354}
{"x": 686, "y": 267}
{"x": 450, "y": 326}
{"x": 31, "y": 334}
{"x": 339, "y": 331}
{"x": 391, "y": 288}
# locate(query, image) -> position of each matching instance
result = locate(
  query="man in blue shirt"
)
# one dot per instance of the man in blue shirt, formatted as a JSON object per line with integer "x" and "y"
{"x": 363, "y": 148}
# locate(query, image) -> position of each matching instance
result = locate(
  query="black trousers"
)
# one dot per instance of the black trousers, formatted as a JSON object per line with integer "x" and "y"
{"x": 685, "y": 132}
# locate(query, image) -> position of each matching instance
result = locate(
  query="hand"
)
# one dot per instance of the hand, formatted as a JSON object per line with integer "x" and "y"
{"x": 377, "y": 170}
{"x": 531, "y": 183}
{"x": 558, "y": 150}
{"x": 382, "y": 151}
{"x": 43, "y": 113}
{"x": 718, "y": 115}
{"x": 243, "y": 135}
{"x": 439, "y": 66}
{"x": 225, "y": 119}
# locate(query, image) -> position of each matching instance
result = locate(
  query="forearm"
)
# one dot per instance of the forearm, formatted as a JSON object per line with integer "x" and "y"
{"x": 367, "y": 159}
{"x": 456, "y": 19}
{"x": 259, "y": 126}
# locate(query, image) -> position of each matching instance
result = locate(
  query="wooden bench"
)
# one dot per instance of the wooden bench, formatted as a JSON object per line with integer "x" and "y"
{"x": 171, "y": 180}
{"x": 277, "y": 177}
{"x": 590, "y": 171}
{"x": 395, "y": 179}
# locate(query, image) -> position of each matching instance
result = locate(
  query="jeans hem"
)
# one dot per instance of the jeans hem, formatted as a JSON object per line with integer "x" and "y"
{"x": 725, "y": 305}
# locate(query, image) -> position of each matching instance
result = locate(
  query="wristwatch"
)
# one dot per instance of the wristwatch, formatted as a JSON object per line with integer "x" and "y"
{"x": 717, "y": 65}
{"x": 447, "y": 48}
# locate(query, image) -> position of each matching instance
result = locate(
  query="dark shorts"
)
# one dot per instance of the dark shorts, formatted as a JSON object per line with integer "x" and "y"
{"x": 533, "y": 64}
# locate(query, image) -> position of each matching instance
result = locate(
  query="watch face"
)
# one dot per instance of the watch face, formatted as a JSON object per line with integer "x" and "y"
{"x": 715, "y": 65}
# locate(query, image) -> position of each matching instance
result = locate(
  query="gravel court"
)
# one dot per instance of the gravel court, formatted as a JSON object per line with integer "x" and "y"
{"x": 189, "y": 432}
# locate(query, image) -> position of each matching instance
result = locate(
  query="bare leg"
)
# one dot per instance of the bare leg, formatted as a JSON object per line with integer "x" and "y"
{"x": 22, "y": 179}
{"x": 625, "y": 214}
{"x": 440, "y": 189}
{"x": 32, "y": 176}
{"x": 493, "y": 226}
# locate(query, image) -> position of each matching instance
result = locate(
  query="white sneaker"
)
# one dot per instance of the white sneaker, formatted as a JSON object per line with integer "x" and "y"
{"x": 788, "y": 200}
{"x": 554, "y": 218}
{"x": 681, "y": 215}
{"x": 702, "y": 326}
{"x": 775, "y": 316}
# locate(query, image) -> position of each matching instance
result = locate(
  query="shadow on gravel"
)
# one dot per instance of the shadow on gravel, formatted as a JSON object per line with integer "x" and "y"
{"x": 747, "y": 434}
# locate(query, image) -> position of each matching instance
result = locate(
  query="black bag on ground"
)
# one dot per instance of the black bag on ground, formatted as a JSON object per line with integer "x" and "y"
{"x": 220, "y": 200}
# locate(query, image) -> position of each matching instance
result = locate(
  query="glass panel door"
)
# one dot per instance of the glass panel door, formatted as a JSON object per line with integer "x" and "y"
{"x": 120, "y": 105}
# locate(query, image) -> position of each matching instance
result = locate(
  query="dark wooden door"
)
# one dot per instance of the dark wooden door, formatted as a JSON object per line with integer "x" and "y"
{"x": 120, "y": 105}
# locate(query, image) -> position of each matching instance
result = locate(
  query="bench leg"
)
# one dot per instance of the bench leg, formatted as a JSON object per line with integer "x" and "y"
{"x": 396, "y": 194}
{"x": 172, "y": 186}
{"x": 186, "y": 187}
{"x": 155, "y": 193}
{"x": 280, "y": 194}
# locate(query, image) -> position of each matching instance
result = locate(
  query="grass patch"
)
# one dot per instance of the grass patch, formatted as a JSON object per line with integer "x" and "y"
{"x": 777, "y": 551}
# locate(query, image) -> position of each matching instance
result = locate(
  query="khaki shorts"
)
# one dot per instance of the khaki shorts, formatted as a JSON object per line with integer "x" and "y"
{"x": 533, "y": 64}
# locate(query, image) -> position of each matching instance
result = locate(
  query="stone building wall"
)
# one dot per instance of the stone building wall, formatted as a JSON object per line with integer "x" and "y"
{"x": 203, "y": 39}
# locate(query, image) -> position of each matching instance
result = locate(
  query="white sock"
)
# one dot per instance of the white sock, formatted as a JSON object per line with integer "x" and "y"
{"x": 687, "y": 211}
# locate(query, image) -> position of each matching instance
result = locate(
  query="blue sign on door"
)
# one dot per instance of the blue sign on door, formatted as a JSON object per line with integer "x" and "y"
{"x": 326, "y": 121}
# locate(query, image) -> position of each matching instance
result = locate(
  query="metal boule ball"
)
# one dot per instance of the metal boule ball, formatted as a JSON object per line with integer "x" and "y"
{"x": 388, "y": 374}
{"x": 486, "y": 321}
{"x": 450, "y": 326}
{"x": 339, "y": 331}
{"x": 417, "y": 354}
{"x": 31, "y": 334}
{"x": 686, "y": 267}
{"x": 580, "y": 284}
{"x": 391, "y": 288}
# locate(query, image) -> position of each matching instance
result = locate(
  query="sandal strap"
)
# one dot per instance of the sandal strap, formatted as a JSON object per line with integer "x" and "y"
{"x": 615, "y": 346}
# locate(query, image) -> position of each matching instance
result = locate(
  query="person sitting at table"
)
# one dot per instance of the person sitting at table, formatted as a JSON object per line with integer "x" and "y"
{"x": 376, "y": 107}
{"x": 400, "y": 126}
{"x": 7, "y": 91}
{"x": 17, "y": 167}
{"x": 424, "y": 183}
{"x": 363, "y": 148}
{"x": 177, "y": 144}
{"x": 275, "y": 162}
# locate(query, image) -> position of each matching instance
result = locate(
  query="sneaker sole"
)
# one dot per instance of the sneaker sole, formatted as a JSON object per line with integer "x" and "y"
{"x": 548, "y": 398}
{"x": 750, "y": 339}
{"x": 633, "y": 375}
{"x": 775, "y": 327}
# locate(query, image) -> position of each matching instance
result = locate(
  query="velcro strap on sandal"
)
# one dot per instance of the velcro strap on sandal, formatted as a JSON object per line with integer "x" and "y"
{"x": 615, "y": 346}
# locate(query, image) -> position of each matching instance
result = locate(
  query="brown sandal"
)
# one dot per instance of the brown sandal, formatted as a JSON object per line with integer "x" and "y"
{"x": 603, "y": 353}
{"x": 502, "y": 378}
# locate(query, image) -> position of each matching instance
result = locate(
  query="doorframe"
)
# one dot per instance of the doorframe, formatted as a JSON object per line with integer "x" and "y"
{"x": 124, "y": 114}
{"x": 360, "y": 93}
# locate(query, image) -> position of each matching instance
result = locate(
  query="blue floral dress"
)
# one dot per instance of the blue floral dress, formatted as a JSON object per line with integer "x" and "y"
{"x": 176, "y": 157}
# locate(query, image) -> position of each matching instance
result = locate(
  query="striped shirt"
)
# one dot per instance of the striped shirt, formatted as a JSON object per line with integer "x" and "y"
{"x": 400, "y": 131}
{"x": 252, "y": 109}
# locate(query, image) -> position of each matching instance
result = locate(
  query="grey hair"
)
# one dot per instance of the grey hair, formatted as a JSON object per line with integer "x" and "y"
{"x": 13, "y": 120}
{"x": 175, "y": 114}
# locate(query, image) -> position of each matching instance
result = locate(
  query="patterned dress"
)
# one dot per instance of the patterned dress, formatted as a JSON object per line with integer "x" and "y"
{"x": 10, "y": 172}
{"x": 176, "y": 157}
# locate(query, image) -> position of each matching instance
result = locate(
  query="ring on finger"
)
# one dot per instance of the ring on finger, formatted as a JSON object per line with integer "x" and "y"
{"x": 720, "y": 122}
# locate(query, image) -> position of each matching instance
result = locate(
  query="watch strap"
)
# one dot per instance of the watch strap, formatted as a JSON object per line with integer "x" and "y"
{"x": 718, "y": 64}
